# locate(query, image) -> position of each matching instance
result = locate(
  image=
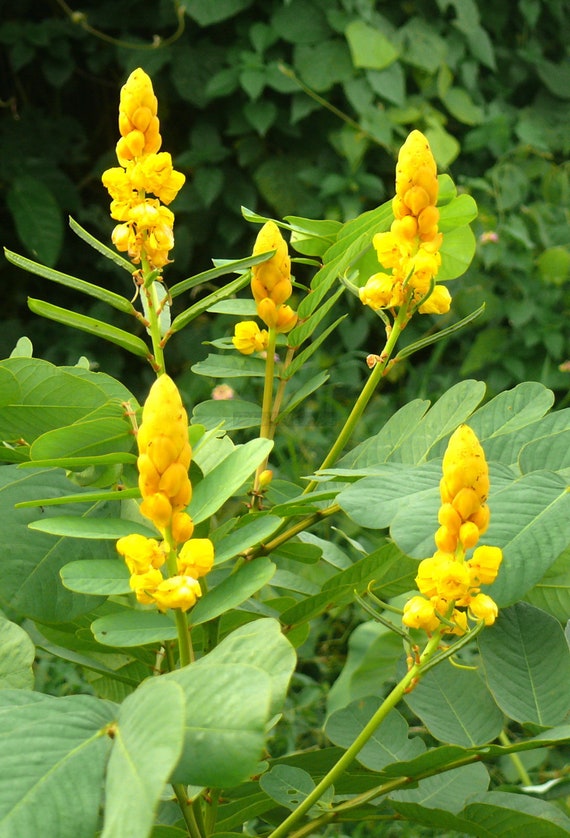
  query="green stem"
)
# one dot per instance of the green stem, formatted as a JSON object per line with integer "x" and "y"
{"x": 184, "y": 644}
{"x": 187, "y": 811}
{"x": 306, "y": 522}
{"x": 365, "y": 395}
{"x": 516, "y": 760}
{"x": 267, "y": 428}
{"x": 391, "y": 700}
{"x": 149, "y": 290}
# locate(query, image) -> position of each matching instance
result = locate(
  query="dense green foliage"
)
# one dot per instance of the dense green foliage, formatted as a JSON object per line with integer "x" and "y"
{"x": 300, "y": 107}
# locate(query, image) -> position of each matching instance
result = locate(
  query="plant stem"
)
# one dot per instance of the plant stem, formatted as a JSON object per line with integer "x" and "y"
{"x": 187, "y": 811}
{"x": 306, "y": 522}
{"x": 148, "y": 288}
{"x": 409, "y": 679}
{"x": 184, "y": 644}
{"x": 516, "y": 760}
{"x": 267, "y": 428}
{"x": 365, "y": 395}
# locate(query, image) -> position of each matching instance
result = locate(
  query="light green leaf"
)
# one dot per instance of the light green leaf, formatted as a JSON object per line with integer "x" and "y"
{"x": 224, "y": 267}
{"x": 66, "y": 317}
{"x": 393, "y": 434}
{"x": 232, "y": 414}
{"x": 104, "y": 577}
{"x": 389, "y": 743}
{"x": 37, "y": 216}
{"x": 17, "y": 654}
{"x": 289, "y": 786}
{"x": 227, "y": 708}
{"x": 368, "y": 46}
{"x": 304, "y": 330}
{"x": 527, "y": 665}
{"x": 552, "y": 593}
{"x": 457, "y": 251}
{"x": 448, "y": 791}
{"x": 260, "y": 643}
{"x": 456, "y": 706}
{"x": 373, "y": 651}
{"x": 91, "y": 528}
{"x": 185, "y": 317}
{"x": 29, "y": 572}
{"x": 96, "y": 291}
{"x": 251, "y": 529}
{"x": 223, "y": 481}
{"x": 238, "y": 306}
{"x": 133, "y": 628}
{"x": 143, "y": 756}
{"x": 105, "y": 251}
{"x": 310, "y": 350}
{"x": 530, "y": 521}
{"x": 505, "y": 814}
{"x": 94, "y": 437}
{"x": 549, "y": 452}
{"x": 230, "y": 366}
{"x": 460, "y": 105}
{"x": 49, "y": 746}
{"x": 296, "y": 398}
{"x": 233, "y": 590}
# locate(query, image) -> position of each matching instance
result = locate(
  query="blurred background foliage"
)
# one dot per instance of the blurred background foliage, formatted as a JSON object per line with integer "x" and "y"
{"x": 299, "y": 106}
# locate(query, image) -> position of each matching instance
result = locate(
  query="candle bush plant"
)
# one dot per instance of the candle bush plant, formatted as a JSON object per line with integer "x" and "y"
{"x": 182, "y": 568}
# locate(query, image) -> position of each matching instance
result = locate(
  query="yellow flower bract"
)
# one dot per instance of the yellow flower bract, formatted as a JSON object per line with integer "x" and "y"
{"x": 449, "y": 583}
{"x": 411, "y": 246}
{"x": 146, "y": 225}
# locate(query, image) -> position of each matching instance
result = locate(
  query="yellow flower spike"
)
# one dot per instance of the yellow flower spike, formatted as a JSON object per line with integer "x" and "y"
{"x": 196, "y": 558}
{"x": 411, "y": 246}
{"x": 469, "y": 535}
{"x": 249, "y": 338}
{"x": 164, "y": 454}
{"x": 176, "y": 592}
{"x": 146, "y": 228}
{"x": 454, "y": 581}
{"x": 464, "y": 464}
{"x": 270, "y": 273}
{"x": 446, "y": 540}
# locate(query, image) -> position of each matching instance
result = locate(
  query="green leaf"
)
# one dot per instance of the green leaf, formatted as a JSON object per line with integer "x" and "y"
{"x": 143, "y": 756}
{"x": 304, "y": 330}
{"x": 448, "y": 791}
{"x": 227, "y": 708}
{"x": 530, "y": 521}
{"x": 96, "y": 291}
{"x": 527, "y": 665}
{"x": 290, "y": 786}
{"x": 84, "y": 497}
{"x": 460, "y": 105}
{"x": 230, "y": 366}
{"x": 29, "y": 572}
{"x": 225, "y": 267}
{"x": 310, "y": 350}
{"x": 552, "y": 593}
{"x": 223, "y": 481}
{"x": 311, "y": 386}
{"x": 457, "y": 251}
{"x": 103, "y": 577}
{"x": 373, "y": 651}
{"x": 237, "y": 306}
{"x": 205, "y": 14}
{"x": 231, "y": 414}
{"x": 93, "y": 437}
{"x": 251, "y": 530}
{"x": 50, "y": 745}
{"x": 91, "y": 528}
{"x": 260, "y": 643}
{"x": 133, "y": 628}
{"x": 105, "y": 251}
{"x": 380, "y": 447}
{"x": 389, "y": 743}
{"x": 456, "y": 706}
{"x": 233, "y": 591}
{"x": 37, "y": 216}
{"x": 312, "y": 237}
{"x": 204, "y": 304}
{"x": 368, "y": 46}
{"x": 17, "y": 654}
{"x": 550, "y": 452}
{"x": 66, "y": 317}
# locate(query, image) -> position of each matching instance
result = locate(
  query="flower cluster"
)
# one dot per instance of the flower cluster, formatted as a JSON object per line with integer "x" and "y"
{"x": 449, "y": 583}
{"x": 163, "y": 462}
{"x": 146, "y": 223}
{"x": 271, "y": 288}
{"x": 411, "y": 246}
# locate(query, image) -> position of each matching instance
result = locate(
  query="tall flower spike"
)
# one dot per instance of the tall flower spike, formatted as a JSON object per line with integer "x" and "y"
{"x": 146, "y": 225}
{"x": 449, "y": 583}
{"x": 163, "y": 462}
{"x": 411, "y": 247}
